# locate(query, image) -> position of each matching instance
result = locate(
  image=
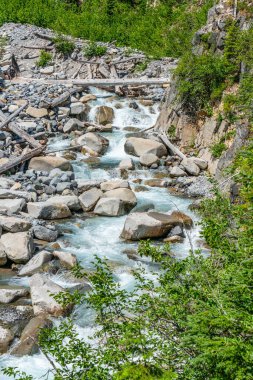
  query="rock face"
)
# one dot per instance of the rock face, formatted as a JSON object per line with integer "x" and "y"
{"x": 125, "y": 195}
{"x": 6, "y": 337}
{"x": 150, "y": 225}
{"x": 36, "y": 263}
{"x": 94, "y": 141}
{"x": 104, "y": 115}
{"x": 13, "y": 224}
{"x": 148, "y": 159}
{"x": 111, "y": 207}
{"x": 47, "y": 211}
{"x": 28, "y": 343}
{"x": 49, "y": 163}
{"x": 18, "y": 246}
{"x": 68, "y": 260}
{"x": 8, "y": 295}
{"x": 139, "y": 146}
{"x": 42, "y": 290}
{"x": 89, "y": 198}
{"x": 12, "y": 205}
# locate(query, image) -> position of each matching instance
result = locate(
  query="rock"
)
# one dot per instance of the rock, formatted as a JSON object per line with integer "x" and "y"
{"x": 42, "y": 291}
{"x": 148, "y": 159}
{"x": 123, "y": 194}
{"x": 174, "y": 239}
{"x": 104, "y": 115}
{"x": 3, "y": 257}
{"x": 28, "y": 343}
{"x": 72, "y": 125}
{"x": 36, "y": 263}
{"x": 87, "y": 98}
{"x": 47, "y": 211}
{"x": 77, "y": 108}
{"x": 139, "y": 146}
{"x": 201, "y": 187}
{"x": 156, "y": 182}
{"x": 14, "y": 224}
{"x": 202, "y": 164}
{"x": 87, "y": 184}
{"x": 6, "y": 337}
{"x": 36, "y": 112}
{"x": 71, "y": 201}
{"x": 15, "y": 317}
{"x": 177, "y": 172}
{"x": 178, "y": 230}
{"x": 47, "y": 163}
{"x": 89, "y": 198}
{"x": 44, "y": 233}
{"x": 190, "y": 166}
{"x": 126, "y": 164}
{"x": 14, "y": 194}
{"x": 111, "y": 207}
{"x": 47, "y": 70}
{"x": 12, "y": 206}
{"x": 18, "y": 246}
{"x": 114, "y": 184}
{"x": 183, "y": 218}
{"x": 6, "y": 183}
{"x": 152, "y": 224}
{"x": 67, "y": 259}
{"x": 94, "y": 141}
{"x": 8, "y": 295}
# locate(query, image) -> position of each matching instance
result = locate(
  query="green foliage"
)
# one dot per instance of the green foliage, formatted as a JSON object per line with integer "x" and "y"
{"x": 16, "y": 374}
{"x": 138, "y": 372}
{"x": 141, "y": 66}
{"x": 44, "y": 59}
{"x": 217, "y": 149}
{"x": 94, "y": 50}
{"x": 63, "y": 45}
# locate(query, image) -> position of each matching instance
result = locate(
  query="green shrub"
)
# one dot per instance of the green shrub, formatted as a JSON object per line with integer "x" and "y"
{"x": 94, "y": 50}
{"x": 63, "y": 45}
{"x": 217, "y": 149}
{"x": 44, "y": 59}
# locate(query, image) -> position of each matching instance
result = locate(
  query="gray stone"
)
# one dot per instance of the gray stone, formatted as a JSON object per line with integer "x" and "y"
{"x": 139, "y": 146}
{"x": 35, "y": 264}
{"x": 89, "y": 198}
{"x": 202, "y": 164}
{"x": 18, "y": 246}
{"x": 6, "y": 337}
{"x": 104, "y": 115}
{"x": 87, "y": 184}
{"x": 44, "y": 233}
{"x": 148, "y": 159}
{"x": 12, "y": 205}
{"x": 126, "y": 164}
{"x": 47, "y": 211}
{"x": 3, "y": 257}
{"x": 67, "y": 259}
{"x": 111, "y": 207}
{"x": 190, "y": 166}
{"x": 114, "y": 184}
{"x": 177, "y": 172}
{"x": 14, "y": 224}
{"x": 94, "y": 141}
{"x": 123, "y": 194}
{"x": 47, "y": 163}
{"x": 72, "y": 125}
{"x": 8, "y": 295}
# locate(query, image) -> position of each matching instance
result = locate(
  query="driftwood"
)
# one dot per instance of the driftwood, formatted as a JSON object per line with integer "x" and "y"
{"x": 60, "y": 99}
{"x": 171, "y": 147}
{"x": 21, "y": 141}
{"x": 12, "y": 116}
{"x": 24, "y": 135}
{"x": 38, "y": 47}
{"x": 19, "y": 160}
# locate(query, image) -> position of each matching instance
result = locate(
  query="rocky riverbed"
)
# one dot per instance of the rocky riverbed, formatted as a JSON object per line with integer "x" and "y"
{"x": 104, "y": 181}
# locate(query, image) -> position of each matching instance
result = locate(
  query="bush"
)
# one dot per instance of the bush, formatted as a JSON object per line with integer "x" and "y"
{"x": 94, "y": 50}
{"x": 44, "y": 59}
{"x": 217, "y": 149}
{"x": 63, "y": 45}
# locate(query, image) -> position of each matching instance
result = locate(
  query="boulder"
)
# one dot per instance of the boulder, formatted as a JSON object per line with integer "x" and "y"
{"x": 45, "y": 233}
{"x": 47, "y": 163}
{"x": 71, "y": 201}
{"x": 72, "y": 125}
{"x": 36, "y": 112}
{"x": 111, "y": 207}
{"x": 148, "y": 159}
{"x": 87, "y": 184}
{"x": 87, "y": 98}
{"x": 28, "y": 342}
{"x": 152, "y": 224}
{"x": 6, "y": 337}
{"x": 6, "y": 183}
{"x": 3, "y": 257}
{"x": 35, "y": 264}
{"x": 202, "y": 164}
{"x": 138, "y": 146}
{"x": 177, "y": 172}
{"x": 177, "y": 231}
{"x": 15, "y": 317}
{"x": 174, "y": 239}
{"x": 47, "y": 70}
{"x": 67, "y": 259}
{"x": 14, "y": 194}
{"x": 94, "y": 141}
{"x": 114, "y": 184}
{"x": 47, "y": 211}
{"x": 18, "y": 246}
{"x": 126, "y": 164}
{"x": 89, "y": 198}
{"x": 14, "y": 224}
{"x": 77, "y": 108}
{"x": 42, "y": 292}
{"x": 8, "y": 295}
{"x": 12, "y": 206}
{"x": 190, "y": 166}
{"x": 104, "y": 115}
{"x": 123, "y": 194}
{"x": 185, "y": 220}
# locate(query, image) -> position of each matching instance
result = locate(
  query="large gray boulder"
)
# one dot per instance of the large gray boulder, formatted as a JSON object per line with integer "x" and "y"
{"x": 126, "y": 195}
{"x": 6, "y": 183}
{"x": 94, "y": 141}
{"x": 45, "y": 233}
{"x": 42, "y": 292}
{"x": 126, "y": 164}
{"x": 18, "y": 246}
{"x": 87, "y": 184}
{"x": 3, "y": 257}
{"x": 190, "y": 166}
{"x": 72, "y": 125}
{"x": 104, "y": 115}
{"x": 89, "y": 198}
{"x": 71, "y": 201}
{"x": 12, "y": 206}
{"x": 111, "y": 207}
{"x": 47, "y": 211}
{"x": 152, "y": 224}
{"x": 16, "y": 194}
{"x": 15, "y": 317}
{"x": 14, "y": 224}
{"x": 176, "y": 171}
{"x": 148, "y": 159}
{"x": 35, "y": 264}
{"x": 6, "y": 337}
{"x": 139, "y": 146}
{"x": 114, "y": 184}
{"x": 8, "y": 295}
{"x": 67, "y": 259}
{"x": 48, "y": 163}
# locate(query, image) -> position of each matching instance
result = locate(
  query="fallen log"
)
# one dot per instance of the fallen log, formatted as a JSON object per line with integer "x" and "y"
{"x": 171, "y": 147}
{"x": 12, "y": 116}
{"x": 21, "y": 159}
{"x": 60, "y": 99}
{"x": 38, "y": 47}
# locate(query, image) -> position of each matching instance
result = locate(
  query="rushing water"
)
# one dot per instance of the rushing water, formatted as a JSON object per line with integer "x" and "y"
{"x": 99, "y": 235}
